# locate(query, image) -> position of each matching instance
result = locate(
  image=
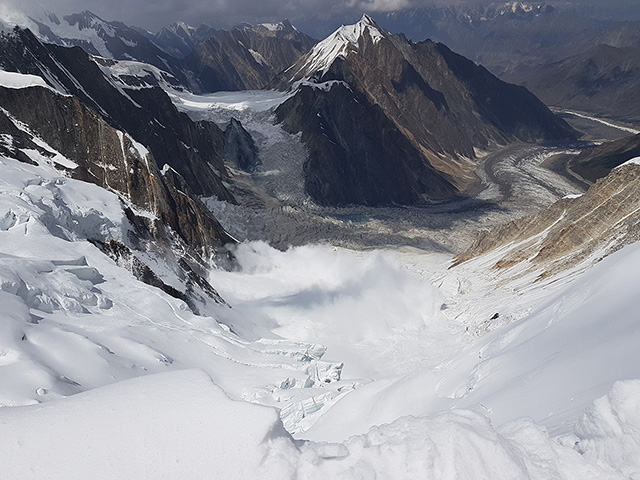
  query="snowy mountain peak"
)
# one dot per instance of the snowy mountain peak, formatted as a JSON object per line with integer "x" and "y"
{"x": 183, "y": 28}
{"x": 367, "y": 20}
{"x": 366, "y": 26}
{"x": 346, "y": 39}
{"x": 276, "y": 27}
{"x": 88, "y": 20}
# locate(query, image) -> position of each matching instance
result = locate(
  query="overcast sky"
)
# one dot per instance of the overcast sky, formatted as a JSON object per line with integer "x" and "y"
{"x": 154, "y": 14}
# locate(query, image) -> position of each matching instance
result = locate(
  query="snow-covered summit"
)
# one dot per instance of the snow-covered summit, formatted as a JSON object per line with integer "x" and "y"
{"x": 366, "y": 25}
{"x": 340, "y": 43}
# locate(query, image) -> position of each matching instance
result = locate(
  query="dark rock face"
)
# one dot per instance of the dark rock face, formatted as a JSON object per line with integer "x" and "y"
{"x": 443, "y": 105}
{"x": 193, "y": 149}
{"x": 246, "y": 58}
{"x": 113, "y": 160}
{"x": 597, "y": 162}
{"x": 356, "y": 154}
{"x": 180, "y": 39}
{"x": 511, "y": 109}
{"x": 239, "y": 147}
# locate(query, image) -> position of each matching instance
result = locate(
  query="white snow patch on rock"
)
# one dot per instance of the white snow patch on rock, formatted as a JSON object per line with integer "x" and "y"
{"x": 19, "y": 80}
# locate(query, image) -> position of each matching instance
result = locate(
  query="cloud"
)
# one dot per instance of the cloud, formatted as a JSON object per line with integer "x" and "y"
{"x": 380, "y": 5}
{"x": 154, "y": 14}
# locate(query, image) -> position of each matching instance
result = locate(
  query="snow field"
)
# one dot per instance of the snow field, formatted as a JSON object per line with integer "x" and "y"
{"x": 75, "y": 322}
{"x": 180, "y": 425}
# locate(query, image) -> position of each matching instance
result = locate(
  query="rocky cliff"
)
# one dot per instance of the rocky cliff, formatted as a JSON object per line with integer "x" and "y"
{"x": 239, "y": 147}
{"x": 357, "y": 155}
{"x": 572, "y": 231}
{"x": 112, "y": 159}
{"x": 193, "y": 149}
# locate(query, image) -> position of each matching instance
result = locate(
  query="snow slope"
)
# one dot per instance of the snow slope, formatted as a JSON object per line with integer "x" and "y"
{"x": 179, "y": 425}
{"x": 75, "y": 320}
{"x": 345, "y": 39}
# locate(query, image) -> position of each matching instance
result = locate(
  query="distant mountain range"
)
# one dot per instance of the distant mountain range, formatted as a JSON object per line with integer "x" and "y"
{"x": 558, "y": 51}
{"x": 604, "y": 80}
{"x": 504, "y": 35}
{"x": 246, "y": 57}
{"x": 201, "y": 59}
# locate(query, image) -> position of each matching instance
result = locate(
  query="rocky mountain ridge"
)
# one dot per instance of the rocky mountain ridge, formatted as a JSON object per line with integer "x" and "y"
{"x": 246, "y": 57}
{"x": 598, "y": 161}
{"x": 96, "y": 36}
{"x": 180, "y": 38}
{"x": 603, "y": 81}
{"x": 575, "y": 231}
{"x": 146, "y": 113}
{"x": 439, "y": 108}
{"x": 200, "y": 58}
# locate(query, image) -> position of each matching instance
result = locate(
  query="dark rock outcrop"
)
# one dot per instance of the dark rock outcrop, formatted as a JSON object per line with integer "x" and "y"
{"x": 195, "y": 283}
{"x": 239, "y": 147}
{"x": 598, "y": 161}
